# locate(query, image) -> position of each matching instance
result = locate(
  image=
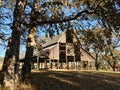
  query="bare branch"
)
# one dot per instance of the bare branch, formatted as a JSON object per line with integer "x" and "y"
{"x": 69, "y": 19}
{"x": 51, "y": 3}
{"x": 65, "y": 19}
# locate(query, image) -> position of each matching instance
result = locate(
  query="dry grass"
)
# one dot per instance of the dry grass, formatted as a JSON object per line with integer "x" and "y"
{"x": 1, "y": 63}
{"x": 75, "y": 80}
{"x": 72, "y": 80}
{"x": 0, "y": 67}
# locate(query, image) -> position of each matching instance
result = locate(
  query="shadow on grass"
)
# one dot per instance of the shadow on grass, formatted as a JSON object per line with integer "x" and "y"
{"x": 74, "y": 80}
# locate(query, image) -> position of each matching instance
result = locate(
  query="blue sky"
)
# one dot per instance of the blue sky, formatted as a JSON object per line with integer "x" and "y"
{"x": 67, "y": 12}
{"x": 3, "y": 50}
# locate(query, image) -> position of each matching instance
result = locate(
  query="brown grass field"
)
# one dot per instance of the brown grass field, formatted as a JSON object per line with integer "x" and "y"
{"x": 1, "y": 62}
{"x": 72, "y": 80}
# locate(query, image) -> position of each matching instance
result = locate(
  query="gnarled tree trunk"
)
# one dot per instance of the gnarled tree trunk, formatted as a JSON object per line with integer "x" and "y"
{"x": 26, "y": 69}
{"x": 10, "y": 65}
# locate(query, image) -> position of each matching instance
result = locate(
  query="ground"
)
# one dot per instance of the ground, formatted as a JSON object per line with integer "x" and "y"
{"x": 75, "y": 80}
{"x": 72, "y": 80}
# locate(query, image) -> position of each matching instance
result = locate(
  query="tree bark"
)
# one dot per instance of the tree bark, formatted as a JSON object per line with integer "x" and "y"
{"x": 112, "y": 63}
{"x": 96, "y": 62}
{"x": 114, "y": 66}
{"x": 10, "y": 65}
{"x": 26, "y": 69}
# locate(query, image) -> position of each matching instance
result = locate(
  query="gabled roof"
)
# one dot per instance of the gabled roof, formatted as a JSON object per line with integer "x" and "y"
{"x": 52, "y": 41}
{"x": 55, "y": 39}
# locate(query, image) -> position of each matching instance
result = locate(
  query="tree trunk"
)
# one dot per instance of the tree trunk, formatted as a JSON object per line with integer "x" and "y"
{"x": 96, "y": 62}
{"x": 10, "y": 65}
{"x": 114, "y": 65}
{"x": 4, "y": 67}
{"x": 113, "y": 69}
{"x": 26, "y": 69}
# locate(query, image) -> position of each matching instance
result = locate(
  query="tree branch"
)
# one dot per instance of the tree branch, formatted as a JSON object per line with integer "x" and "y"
{"x": 69, "y": 19}
{"x": 2, "y": 36}
{"x": 63, "y": 20}
{"x": 51, "y": 3}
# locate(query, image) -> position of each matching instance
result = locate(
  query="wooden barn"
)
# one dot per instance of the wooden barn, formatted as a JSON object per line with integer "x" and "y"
{"x": 63, "y": 52}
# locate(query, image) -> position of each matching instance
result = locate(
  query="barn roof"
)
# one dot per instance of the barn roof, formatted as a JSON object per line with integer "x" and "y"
{"x": 52, "y": 41}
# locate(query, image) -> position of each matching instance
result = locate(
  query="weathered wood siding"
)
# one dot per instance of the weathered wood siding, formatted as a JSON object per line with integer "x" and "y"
{"x": 85, "y": 56}
{"x": 54, "y": 52}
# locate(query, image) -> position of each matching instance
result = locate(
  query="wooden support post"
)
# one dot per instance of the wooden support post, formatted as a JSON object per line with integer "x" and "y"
{"x": 45, "y": 64}
{"x": 58, "y": 64}
{"x": 74, "y": 63}
{"x": 61, "y": 65}
{"x": 38, "y": 63}
{"x": 66, "y": 63}
{"x": 51, "y": 65}
{"x": 41, "y": 65}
